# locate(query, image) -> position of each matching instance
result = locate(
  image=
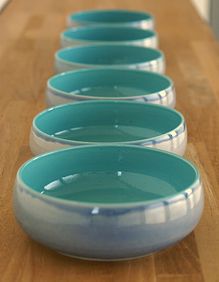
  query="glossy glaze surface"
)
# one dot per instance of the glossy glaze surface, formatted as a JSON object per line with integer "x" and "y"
{"x": 113, "y": 18}
{"x": 108, "y": 55}
{"x": 155, "y": 199}
{"x": 110, "y": 186}
{"x": 121, "y": 122}
{"x": 113, "y": 84}
{"x": 107, "y": 133}
{"x": 108, "y": 34}
{"x": 29, "y": 33}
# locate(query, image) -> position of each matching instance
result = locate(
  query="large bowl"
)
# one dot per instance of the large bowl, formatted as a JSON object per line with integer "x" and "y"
{"x": 113, "y": 84}
{"x": 109, "y": 122}
{"x": 108, "y": 202}
{"x": 108, "y": 56}
{"x": 108, "y": 34}
{"x": 117, "y": 18}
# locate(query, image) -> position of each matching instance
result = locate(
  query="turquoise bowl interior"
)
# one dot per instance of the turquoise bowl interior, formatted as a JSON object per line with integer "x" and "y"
{"x": 96, "y": 33}
{"x": 108, "y": 83}
{"x": 110, "y": 17}
{"x": 108, "y": 174}
{"x": 108, "y": 55}
{"x": 106, "y": 121}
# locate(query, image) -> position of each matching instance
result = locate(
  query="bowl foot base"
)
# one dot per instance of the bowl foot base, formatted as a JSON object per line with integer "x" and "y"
{"x": 104, "y": 259}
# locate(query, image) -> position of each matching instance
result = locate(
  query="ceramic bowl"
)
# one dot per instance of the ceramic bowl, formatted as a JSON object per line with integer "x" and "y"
{"x": 117, "y": 18}
{"x": 98, "y": 122}
{"x": 113, "y": 84}
{"x": 107, "y": 34}
{"x": 109, "y": 55}
{"x": 108, "y": 202}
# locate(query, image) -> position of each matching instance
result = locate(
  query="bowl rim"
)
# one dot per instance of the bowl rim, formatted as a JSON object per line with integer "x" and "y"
{"x": 70, "y": 63}
{"x": 71, "y": 95}
{"x": 177, "y": 196}
{"x": 51, "y": 138}
{"x": 151, "y": 34}
{"x": 149, "y": 16}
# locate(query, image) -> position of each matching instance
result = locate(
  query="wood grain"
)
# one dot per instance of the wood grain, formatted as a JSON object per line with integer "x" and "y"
{"x": 29, "y": 36}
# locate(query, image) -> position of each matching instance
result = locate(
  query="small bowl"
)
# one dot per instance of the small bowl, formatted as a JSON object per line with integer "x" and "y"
{"x": 108, "y": 202}
{"x": 117, "y": 18}
{"x": 111, "y": 84}
{"x": 108, "y": 34}
{"x": 99, "y": 122}
{"x": 109, "y": 55}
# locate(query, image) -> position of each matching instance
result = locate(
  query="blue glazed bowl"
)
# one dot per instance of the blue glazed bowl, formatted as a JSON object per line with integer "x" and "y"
{"x": 117, "y": 18}
{"x": 108, "y": 34}
{"x": 113, "y": 84}
{"x": 108, "y": 202}
{"x": 98, "y": 122}
{"x": 109, "y": 56}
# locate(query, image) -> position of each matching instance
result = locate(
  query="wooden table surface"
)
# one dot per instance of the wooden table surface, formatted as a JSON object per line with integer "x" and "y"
{"x": 29, "y": 36}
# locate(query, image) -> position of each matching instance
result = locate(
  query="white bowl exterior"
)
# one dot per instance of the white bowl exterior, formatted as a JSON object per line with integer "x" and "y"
{"x": 144, "y": 24}
{"x": 175, "y": 143}
{"x": 98, "y": 233}
{"x": 165, "y": 97}
{"x": 151, "y": 42}
{"x": 157, "y": 66}
{"x": 38, "y": 145}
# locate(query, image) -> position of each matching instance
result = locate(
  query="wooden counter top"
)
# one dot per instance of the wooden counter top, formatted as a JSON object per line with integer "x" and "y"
{"x": 29, "y": 36}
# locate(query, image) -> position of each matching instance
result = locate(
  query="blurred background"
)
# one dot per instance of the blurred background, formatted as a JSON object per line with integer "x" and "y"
{"x": 207, "y": 9}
